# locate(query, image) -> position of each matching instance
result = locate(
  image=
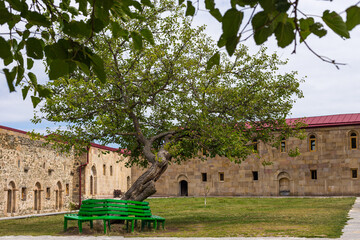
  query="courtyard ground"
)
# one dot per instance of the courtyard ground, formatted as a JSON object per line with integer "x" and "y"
{"x": 222, "y": 217}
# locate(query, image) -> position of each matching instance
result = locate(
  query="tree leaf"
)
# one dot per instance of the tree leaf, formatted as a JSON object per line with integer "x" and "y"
{"x": 25, "y": 91}
{"x": 317, "y": 29}
{"x": 262, "y": 34}
{"x": 147, "y": 3}
{"x": 181, "y": 1}
{"x": 231, "y": 22}
{"x": 231, "y": 44}
{"x": 36, "y": 18}
{"x": 147, "y": 34}
{"x": 214, "y": 60}
{"x": 216, "y": 14}
{"x": 33, "y": 79}
{"x": 30, "y": 63}
{"x": 284, "y": 33}
{"x": 190, "y": 9}
{"x": 137, "y": 40}
{"x": 4, "y": 49}
{"x": 209, "y": 4}
{"x": 336, "y": 23}
{"x": 20, "y": 75}
{"x": 35, "y": 101}
{"x": 58, "y": 68}
{"x": 98, "y": 67}
{"x": 282, "y": 5}
{"x": 352, "y": 17}
{"x": 260, "y": 20}
{"x": 34, "y": 48}
{"x": 10, "y": 79}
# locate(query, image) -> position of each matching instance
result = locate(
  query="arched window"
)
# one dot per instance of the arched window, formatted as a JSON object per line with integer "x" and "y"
{"x": 283, "y": 145}
{"x": 93, "y": 181}
{"x": 128, "y": 182}
{"x": 58, "y": 196}
{"x": 255, "y": 144}
{"x": 11, "y": 197}
{"x": 37, "y": 197}
{"x": 312, "y": 143}
{"x": 353, "y": 140}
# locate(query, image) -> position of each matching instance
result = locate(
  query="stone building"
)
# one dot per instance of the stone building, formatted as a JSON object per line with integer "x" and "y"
{"x": 328, "y": 165}
{"x": 36, "y": 179}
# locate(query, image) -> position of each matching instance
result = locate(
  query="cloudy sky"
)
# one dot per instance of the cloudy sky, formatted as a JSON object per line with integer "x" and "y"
{"x": 327, "y": 90}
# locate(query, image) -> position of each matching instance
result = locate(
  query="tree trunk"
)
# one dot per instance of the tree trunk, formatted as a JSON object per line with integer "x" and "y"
{"x": 144, "y": 186}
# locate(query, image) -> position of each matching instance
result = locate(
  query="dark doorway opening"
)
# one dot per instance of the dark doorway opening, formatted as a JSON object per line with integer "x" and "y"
{"x": 183, "y": 188}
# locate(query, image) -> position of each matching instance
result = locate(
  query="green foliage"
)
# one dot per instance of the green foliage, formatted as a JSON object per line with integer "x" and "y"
{"x": 279, "y": 17}
{"x": 60, "y": 33}
{"x": 43, "y": 25}
{"x": 167, "y": 93}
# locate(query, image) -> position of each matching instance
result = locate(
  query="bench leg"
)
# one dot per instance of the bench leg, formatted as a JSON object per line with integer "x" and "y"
{"x": 65, "y": 224}
{"x": 132, "y": 225}
{"x": 91, "y": 224}
{"x": 155, "y": 224}
{"x": 80, "y": 226}
{"x": 142, "y": 224}
{"x": 127, "y": 225}
{"x": 104, "y": 226}
{"x": 109, "y": 225}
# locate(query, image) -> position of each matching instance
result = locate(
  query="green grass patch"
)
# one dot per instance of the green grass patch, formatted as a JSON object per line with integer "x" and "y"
{"x": 222, "y": 217}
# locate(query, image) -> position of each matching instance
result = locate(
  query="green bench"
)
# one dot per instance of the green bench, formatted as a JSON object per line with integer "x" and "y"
{"x": 111, "y": 209}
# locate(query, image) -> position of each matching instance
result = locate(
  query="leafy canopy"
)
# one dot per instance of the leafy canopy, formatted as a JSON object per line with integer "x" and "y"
{"x": 165, "y": 94}
{"x": 59, "y": 32}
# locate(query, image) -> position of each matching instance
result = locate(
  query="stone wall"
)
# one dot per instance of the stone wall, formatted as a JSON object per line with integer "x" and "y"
{"x": 105, "y": 172}
{"x": 333, "y": 161}
{"x": 33, "y": 178}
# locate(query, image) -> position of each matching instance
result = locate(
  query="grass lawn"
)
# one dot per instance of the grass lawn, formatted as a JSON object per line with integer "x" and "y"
{"x": 222, "y": 217}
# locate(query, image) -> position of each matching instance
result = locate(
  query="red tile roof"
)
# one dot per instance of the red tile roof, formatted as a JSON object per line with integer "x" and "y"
{"x": 320, "y": 121}
{"x": 330, "y": 120}
{"x": 92, "y": 144}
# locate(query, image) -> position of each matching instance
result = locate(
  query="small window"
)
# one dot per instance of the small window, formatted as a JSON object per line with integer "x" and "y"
{"x": 221, "y": 176}
{"x": 283, "y": 145}
{"x": 23, "y": 193}
{"x": 354, "y": 173}
{"x": 67, "y": 189}
{"x": 204, "y": 177}
{"x": 255, "y": 144}
{"x": 313, "y": 174}
{"x": 104, "y": 169}
{"x": 255, "y": 175}
{"x": 312, "y": 143}
{"x": 47, "y": 193}
{"x": 111, "y": 171}
{"x": 353, "y": 141}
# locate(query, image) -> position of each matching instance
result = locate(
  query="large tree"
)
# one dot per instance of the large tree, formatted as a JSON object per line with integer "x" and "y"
{"x": 27, "y": 26}
{"x": 165, "y": 104}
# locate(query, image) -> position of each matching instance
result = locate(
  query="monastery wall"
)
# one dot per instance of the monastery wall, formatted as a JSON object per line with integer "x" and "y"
{"x": 330, "y": 168}
{"x": 33, "y": 178}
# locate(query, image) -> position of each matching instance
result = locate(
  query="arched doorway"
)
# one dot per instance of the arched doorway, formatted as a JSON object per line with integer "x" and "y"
{"x": 11, "y": 198}
{"x": 93, "y": 182}
{"x": 58, "y": 196}
{"x": 37, "y": 197}
{"x": 183, "y": 188}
